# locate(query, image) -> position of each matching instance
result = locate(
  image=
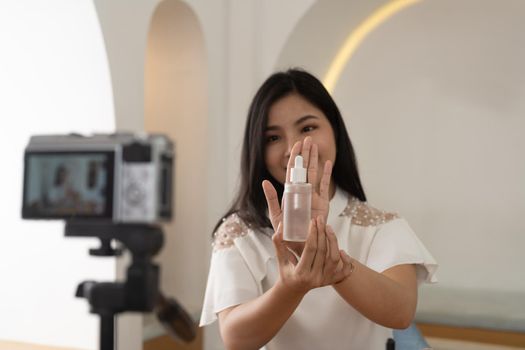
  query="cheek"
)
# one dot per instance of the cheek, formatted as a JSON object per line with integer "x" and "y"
{"x": 326, "y": 151}
{"x": 332, "y": 149}
{"x": 273, "y": 162}
{"x": 270, "y": 158}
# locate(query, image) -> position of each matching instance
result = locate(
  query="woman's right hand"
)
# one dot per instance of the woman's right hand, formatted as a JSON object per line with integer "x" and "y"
{"x": 320, "y": 264}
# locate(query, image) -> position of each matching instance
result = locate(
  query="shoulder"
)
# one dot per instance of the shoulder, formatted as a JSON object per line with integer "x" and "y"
{"x": 232, "y": 227}
{"x": 363, "y": 214}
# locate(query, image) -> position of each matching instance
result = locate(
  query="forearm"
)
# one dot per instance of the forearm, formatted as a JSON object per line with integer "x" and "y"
{"x": 253, "y": 324}
{"x": 380, "y": 298}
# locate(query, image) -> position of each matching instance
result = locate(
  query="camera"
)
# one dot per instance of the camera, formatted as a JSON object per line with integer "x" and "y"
{"x": 115, "y": 187}
{"x": 119, "y": 178}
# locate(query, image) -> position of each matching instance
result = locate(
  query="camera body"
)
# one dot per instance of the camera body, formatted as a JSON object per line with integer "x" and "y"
{"x": 119, "y": 178}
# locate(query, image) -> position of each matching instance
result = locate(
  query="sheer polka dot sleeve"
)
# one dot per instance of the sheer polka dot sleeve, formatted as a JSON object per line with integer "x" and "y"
{"x": 230, "y": 280}
{"x": 231, "y": 228}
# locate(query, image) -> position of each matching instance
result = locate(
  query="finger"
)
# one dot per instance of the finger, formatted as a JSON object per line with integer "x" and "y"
{"x": 292, "y": 256}
{"x": 310, "y": 248}
{"x": 291, "y": 161}
{"x": 280, "y": 248}
{"x": 272, "y": 199}
{"x": 339, "y": 267}
{"x": 324, "y": 187}
{"x": 320, "y": 256}
{"x": 333, "y": 263}
{"x": 334, "y": 246}
{"x": 312, "y": 166}
{"x": 346, "y": 271}
{"x": 346, "y": 258}
{"x": 349, "y": 264}
{"x": 305, "y": 152}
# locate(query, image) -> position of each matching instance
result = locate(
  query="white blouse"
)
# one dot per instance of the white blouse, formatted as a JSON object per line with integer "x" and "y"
{"x": 244, "y": 266}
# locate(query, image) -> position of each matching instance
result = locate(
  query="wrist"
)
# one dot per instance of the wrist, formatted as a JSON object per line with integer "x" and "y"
{"x": 289, "y": 292}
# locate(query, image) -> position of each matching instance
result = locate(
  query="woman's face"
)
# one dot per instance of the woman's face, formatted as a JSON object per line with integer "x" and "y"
{"x": 291, "y": 119}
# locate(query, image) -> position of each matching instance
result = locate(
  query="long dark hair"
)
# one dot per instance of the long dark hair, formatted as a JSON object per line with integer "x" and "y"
{"x": 250, "y": 203}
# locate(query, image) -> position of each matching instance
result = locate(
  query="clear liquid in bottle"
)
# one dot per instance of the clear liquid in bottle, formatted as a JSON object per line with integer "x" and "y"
{"x": 297, "y": 204}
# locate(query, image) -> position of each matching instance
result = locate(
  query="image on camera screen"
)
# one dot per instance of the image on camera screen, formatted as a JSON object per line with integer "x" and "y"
{"x": 67, "y": 184}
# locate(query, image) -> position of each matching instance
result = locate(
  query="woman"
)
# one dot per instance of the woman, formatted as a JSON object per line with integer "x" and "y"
{"x": 355, "y": 278}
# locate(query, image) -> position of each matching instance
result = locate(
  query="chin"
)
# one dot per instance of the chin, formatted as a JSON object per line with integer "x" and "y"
{"x": 279, "y": 179}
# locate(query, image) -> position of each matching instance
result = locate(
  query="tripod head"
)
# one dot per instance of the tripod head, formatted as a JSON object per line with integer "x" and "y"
{"x": 140, "y": 291}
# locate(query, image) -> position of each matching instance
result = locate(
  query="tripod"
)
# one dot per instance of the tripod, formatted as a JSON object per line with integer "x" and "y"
{"x": 140, "y": 291}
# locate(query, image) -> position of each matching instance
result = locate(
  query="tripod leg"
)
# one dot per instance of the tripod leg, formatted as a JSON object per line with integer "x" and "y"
{"x": 107, "y": 332}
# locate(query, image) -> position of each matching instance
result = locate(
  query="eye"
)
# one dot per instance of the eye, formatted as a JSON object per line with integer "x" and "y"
{"x": 308, "y": 128}
{"x": 272, "y": 138}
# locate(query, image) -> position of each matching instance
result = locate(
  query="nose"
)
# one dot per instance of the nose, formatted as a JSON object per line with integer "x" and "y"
{"x": 291, "y": 142}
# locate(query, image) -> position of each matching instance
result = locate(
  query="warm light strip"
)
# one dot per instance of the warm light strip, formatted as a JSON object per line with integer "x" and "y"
{"x": 357, "y": 36}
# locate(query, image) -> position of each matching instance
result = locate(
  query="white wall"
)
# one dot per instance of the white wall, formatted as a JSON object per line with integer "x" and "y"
{"x": 433, "y": 100}
{"x": 443, "y": 141}
{"x": 54, "y": 79}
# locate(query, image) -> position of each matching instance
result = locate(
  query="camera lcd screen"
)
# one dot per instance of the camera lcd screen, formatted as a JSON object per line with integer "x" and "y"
{"x": 68, "y": 184}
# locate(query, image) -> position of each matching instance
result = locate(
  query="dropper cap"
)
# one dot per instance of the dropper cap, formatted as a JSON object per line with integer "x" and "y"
{"x": 298, "y": 174}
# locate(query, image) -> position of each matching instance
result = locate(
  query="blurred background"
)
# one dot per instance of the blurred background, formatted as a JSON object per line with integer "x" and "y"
{"x": 432, "y": 92}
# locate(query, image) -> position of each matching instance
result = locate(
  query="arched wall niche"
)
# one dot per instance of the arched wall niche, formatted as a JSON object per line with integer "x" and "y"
{"x": 176, "y": 104}
{"x": 433, "y": 100}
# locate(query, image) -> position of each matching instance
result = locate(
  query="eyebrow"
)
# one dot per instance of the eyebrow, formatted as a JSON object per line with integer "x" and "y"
{"x": 297, "y": 122}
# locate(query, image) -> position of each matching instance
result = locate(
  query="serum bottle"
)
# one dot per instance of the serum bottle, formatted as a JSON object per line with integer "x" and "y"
{"x": 297, "y": 202}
